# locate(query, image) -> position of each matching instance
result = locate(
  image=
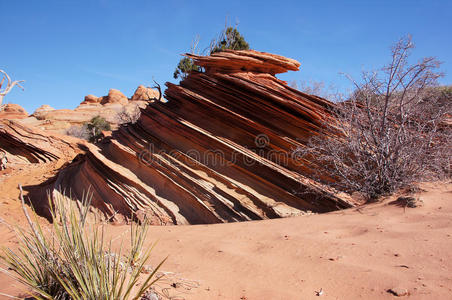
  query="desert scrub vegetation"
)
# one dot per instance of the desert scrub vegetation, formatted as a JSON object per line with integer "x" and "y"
{"x": 128, "y": 115}
{"x": 75, "y": 261}
{"x": 92, "y": 130}
{"x": 95, "y": 128}
{"x": 229, "y": 38}
{"x": 80, "y": 132}
{"x": 393, "y": 131}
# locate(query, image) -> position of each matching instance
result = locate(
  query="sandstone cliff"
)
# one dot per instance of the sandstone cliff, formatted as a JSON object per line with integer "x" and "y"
{"x": 219, "y": 150}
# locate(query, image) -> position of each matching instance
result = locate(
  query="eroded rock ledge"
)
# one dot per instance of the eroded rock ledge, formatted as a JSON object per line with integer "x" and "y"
{"x": 23, "y": 144}
{"x": 219, "y": 150}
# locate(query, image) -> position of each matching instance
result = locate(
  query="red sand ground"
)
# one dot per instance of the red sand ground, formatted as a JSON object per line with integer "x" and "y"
{"x": 352, "y": 254}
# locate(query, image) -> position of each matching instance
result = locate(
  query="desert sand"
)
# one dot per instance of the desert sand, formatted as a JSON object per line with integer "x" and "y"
{"x": 358, "y": 253}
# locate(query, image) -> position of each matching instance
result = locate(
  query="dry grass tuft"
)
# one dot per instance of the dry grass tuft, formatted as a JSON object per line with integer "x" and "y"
{"x": 74, "y": 261}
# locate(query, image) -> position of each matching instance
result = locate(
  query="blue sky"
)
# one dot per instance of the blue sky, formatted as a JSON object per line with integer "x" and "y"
{"x": 68, "y": 49}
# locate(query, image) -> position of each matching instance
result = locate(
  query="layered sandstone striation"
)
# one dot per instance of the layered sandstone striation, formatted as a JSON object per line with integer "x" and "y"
{"x": 24, "y": 145}
{"x": 233, "y": 61}
{"x": 12, "y": 111}
{"x": 220, "y": 149}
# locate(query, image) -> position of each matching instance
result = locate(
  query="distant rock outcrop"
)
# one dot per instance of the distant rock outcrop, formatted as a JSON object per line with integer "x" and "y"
{"x": 114, "y": 96}
{"x": 144, "y": 94}
{"x": 91, "y": 99}
{"x": 42, "y": 111}
{"x": 12, "y": 111}
{"x": 221, "y": 149}
{"x": 60, "y": 120}
{"x": 43, "y": 108}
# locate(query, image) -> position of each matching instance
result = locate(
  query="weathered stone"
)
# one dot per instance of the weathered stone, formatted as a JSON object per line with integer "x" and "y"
{"x": 60, "y": 120}
{"x": 144, "y": 93}
{"x": 219, "y": 150}
{"x": 12, "y": 111}
{"x": 398, "y": 292}
{"x": 231, "y": 61}
{"x": 91, "y": 99}
{"x": 30, "y": 145}
{"x": 43, "y": 109}
{"x": 115, "y": 96}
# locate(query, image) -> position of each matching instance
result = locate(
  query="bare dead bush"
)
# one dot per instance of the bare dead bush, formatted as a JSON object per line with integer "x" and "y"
{"x": 128, "y": 115}
{"x": 313, "y": 87}
{"x": 9, "y": 85}
{"x": 390, "y": 133}
{"x": 80, "y": 132}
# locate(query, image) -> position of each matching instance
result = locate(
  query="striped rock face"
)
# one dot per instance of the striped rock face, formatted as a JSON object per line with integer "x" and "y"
{"x": 25, "y": 145}
{"x": 12, "y": 112}
{"x": 219, "y": 149}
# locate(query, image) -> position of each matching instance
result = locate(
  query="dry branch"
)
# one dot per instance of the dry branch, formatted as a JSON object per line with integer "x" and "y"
{"x": 391, "y": 132}
{"x": 9, "y": 85}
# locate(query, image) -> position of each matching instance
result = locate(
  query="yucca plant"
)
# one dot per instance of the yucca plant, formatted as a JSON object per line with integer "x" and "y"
{"x": 73, "y": 261}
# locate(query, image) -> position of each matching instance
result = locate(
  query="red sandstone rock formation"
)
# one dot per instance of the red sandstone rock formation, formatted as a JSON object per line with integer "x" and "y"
{"x": 220, "y": 149}
{"x": 23, "y": 144}
{"x": 91, "y": 99}
{"x": 144, "y": 93}
{"x": 43, "y": 109}
{"x": 60, "y": 120}
{"x": 231, "y": 61}
{"x": 115, "y": 96}
{"x": 12, "y": 111}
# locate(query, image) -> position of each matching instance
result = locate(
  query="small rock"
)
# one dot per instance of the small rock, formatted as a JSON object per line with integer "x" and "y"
{"x": 150, "y": 295}
{"x": 399, "y": 292}
{"x": 175, "y": 285}
{"x": 403, "y": 266}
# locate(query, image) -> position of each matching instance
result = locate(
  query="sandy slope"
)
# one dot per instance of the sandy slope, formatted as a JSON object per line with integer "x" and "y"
{"x": 352, "y": 254}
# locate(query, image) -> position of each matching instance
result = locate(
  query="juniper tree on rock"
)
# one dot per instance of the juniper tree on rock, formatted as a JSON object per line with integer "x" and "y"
{"x": 229, "y": 38}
